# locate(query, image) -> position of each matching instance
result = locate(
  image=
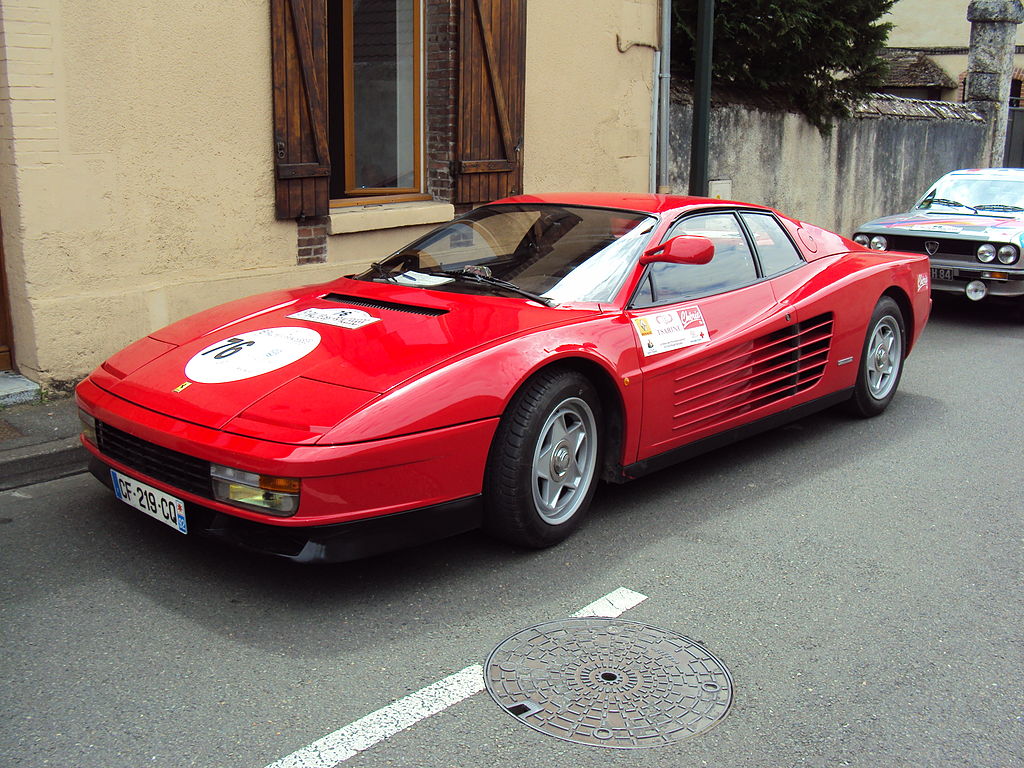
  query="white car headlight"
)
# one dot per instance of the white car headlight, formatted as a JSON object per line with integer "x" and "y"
{"x": 879, "y": 243}
{"x": 861, "y": 239}
{"x": 986, "y": 253}
{"x": 1007, "y": 254}
{"x": 263, "y": 493}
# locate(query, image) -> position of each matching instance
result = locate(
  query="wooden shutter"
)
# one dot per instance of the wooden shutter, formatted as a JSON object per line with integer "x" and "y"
{"x": 492, "y": 76}
{"x": 301, "y": 156}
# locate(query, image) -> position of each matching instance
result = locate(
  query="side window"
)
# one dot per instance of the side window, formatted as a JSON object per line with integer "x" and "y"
{"x": 776, "y": 252}
{"x": 732, "y": 266}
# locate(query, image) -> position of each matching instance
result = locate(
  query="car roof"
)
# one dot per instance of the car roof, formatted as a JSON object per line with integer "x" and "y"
{"x": 642, "y": 203}
{"x": 990, "y": 173}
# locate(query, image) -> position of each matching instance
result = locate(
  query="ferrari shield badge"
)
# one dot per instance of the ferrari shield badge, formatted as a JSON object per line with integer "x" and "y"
{"x": 672, "y": 329}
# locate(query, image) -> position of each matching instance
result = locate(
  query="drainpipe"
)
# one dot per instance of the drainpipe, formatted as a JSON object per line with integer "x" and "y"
{"x": 664, "y": 81}
{"x": 652, "y": 182}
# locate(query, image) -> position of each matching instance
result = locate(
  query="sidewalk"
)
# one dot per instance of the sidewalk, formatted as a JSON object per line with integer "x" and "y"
{"x": 39, "y": 442}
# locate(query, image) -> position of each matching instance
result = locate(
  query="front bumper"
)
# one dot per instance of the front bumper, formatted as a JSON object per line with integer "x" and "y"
{"x": 952, "y": 277}
{"x": 356, "y": 499}
{"x": 335, "y": 543}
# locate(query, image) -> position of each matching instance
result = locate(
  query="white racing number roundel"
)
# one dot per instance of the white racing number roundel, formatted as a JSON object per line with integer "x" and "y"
{"x": 249, "y": 354}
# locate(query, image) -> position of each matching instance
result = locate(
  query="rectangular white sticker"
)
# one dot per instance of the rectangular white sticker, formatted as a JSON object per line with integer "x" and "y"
{"x": 936, "y": 228}
{"x": 671, "y": 329}
{"x": 343, "y": 318}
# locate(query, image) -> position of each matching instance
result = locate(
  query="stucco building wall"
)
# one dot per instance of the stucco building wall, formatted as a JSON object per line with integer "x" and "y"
{"x": 136, "y": 169}
{"x": 589, "y": 80}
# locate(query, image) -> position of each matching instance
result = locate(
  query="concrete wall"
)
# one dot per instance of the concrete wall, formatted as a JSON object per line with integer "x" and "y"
{"x": 136, "y": 169}
{"x": 874, "y": 164}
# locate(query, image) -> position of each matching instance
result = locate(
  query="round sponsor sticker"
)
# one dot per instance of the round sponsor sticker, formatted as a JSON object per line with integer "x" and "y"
{"x": 251, "y": 354}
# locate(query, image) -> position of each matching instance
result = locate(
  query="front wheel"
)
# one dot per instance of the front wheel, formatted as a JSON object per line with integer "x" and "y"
{"x": 881, "y": 364}
{"x": 542, "y": 469}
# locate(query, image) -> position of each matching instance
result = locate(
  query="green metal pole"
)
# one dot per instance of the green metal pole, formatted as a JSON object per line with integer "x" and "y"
{"x": 702, "y": 99}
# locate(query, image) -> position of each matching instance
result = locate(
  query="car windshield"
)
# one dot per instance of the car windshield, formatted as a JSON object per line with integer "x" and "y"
{"x": 974, "y": 194}
{"x": 553, "y": 253}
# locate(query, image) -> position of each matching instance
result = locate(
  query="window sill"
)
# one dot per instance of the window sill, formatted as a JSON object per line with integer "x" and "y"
{"x": 365, "y": 218}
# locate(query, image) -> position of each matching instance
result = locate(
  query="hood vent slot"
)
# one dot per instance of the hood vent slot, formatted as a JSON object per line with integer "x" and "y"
{"x": 358, "y": 301}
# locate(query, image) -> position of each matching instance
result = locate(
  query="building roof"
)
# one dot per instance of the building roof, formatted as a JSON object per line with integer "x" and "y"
{"x": 912, "y": 69}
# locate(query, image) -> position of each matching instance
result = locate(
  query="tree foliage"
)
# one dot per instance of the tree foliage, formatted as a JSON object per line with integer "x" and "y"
{"x": 817, "y": 56}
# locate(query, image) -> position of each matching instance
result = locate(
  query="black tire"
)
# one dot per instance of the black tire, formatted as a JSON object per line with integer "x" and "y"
{"x": 881, "y": 360}
{"x": 542, "y": 469}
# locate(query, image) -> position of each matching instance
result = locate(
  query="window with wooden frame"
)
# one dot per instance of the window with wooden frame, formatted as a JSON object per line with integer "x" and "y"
{"x": 375, "y": 96}
{"x": 391, "y": 100}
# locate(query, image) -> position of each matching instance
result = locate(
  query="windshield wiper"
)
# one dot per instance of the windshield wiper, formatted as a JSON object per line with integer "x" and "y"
{"x": 999, "y": 207}
{"x": 945, "y": 201}
{"x": 497, "y": 282}
{"x": 383, "y": 271}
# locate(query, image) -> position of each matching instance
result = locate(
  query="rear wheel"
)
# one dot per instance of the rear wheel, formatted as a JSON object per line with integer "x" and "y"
{"x": 542, "y": 469}
{"x": 881, "y": 362}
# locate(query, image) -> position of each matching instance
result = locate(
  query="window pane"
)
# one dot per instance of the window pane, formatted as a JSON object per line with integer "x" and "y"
{"x": 384, "y": 82}
{"x": 731, "y": 267}
{"x": 776, "y": 252}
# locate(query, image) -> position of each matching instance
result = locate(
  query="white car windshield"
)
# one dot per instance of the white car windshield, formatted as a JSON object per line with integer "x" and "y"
{"x": 553, "y": 253}
{"x": 974, "y": 193}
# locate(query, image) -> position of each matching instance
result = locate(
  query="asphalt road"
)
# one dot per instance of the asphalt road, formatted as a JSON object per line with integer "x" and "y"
{"x": 861, "y": 580}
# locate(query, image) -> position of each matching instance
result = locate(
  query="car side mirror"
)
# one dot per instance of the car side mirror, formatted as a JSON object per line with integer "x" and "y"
{"x": 684, "y": 249}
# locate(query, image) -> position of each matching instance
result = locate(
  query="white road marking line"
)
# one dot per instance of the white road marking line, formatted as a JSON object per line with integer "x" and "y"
{"x": 612, "y": 605}
{"x": 387, "y": 721}
{"x": 346, "y": 742}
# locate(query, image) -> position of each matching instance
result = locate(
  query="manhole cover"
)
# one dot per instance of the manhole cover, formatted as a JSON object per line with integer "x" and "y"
{"x": 609, "y": 682}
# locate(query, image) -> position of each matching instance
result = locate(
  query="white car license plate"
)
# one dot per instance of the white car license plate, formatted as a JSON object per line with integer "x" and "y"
{"x": 155, "y": 503}
{"x": 941, "y": 273}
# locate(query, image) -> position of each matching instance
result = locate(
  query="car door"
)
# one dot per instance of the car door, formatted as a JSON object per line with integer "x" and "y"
{"x": 716, "y": 345}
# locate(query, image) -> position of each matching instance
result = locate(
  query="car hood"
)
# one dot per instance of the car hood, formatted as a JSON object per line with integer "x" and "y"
{"x": 291, "y": 365}
{"x": 970, "y": 227}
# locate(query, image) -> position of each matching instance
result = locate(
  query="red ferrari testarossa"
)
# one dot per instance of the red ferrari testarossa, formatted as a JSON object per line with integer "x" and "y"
{"x": 494, "y": 370}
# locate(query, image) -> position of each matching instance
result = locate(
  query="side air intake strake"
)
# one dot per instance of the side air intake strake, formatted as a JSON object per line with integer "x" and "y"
{"x": 752, "y": 375}
{"x": 358, "y": 301}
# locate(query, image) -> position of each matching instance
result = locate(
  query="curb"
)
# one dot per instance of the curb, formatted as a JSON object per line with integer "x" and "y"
{"x": 43, "y": 462}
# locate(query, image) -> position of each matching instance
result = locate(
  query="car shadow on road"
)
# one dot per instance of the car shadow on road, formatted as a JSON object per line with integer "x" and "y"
{"x": 424, "y": 588}
{"x": 989, "y": 315}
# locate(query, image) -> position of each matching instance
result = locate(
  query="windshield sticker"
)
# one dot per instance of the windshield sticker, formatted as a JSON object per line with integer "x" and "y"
{"x": 675, "y": 329}
{"x": 251, "y": 354}
{"x": 936, "y": 228}
{"x": 422, "y": 280}
{"x": 342, "y": 318}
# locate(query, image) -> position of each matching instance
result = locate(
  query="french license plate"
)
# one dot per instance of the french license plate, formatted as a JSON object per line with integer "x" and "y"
{"x": 940, "y": 273}
{"x": 154, "y": 502}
